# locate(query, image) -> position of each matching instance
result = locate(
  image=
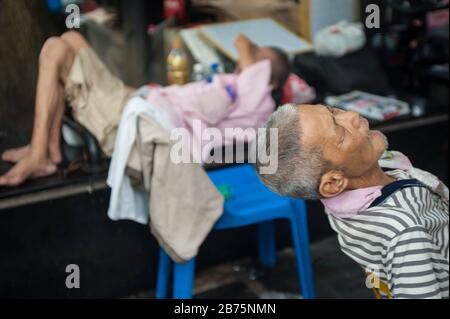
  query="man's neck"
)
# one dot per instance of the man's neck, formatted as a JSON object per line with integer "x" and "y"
{"x": 373, "y": 177}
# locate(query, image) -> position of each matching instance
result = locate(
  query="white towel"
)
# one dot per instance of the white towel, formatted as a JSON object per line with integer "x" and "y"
{"x": 126, "y": 202}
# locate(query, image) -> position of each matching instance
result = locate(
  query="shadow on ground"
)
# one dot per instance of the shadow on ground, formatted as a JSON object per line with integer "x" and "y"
{"x": 336, "y": 277}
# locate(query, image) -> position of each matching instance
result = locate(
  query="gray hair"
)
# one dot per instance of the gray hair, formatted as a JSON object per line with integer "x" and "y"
{"x": 299, "y": 168}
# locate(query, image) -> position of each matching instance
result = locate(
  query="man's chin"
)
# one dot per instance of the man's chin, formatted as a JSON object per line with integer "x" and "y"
{"x": 379, "y": 138}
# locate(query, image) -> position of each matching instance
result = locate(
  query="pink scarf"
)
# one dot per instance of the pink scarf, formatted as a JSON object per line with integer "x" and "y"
{"x": 349, "y": 203}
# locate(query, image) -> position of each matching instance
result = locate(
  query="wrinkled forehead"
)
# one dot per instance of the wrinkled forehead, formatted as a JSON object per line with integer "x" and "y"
{"x": 316, "y": 124}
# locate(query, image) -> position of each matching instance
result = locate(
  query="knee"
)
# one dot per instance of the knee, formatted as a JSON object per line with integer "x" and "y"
{"x": 53, "y": 50}
{"x": 70, "y": 36}
{"x": 74, "y": 39}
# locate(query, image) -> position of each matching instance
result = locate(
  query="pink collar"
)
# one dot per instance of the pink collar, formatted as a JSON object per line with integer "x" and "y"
{"x": 349, "y": 203}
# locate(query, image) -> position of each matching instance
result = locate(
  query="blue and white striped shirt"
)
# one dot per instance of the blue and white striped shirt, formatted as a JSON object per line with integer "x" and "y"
{"x": 404, "y": 241}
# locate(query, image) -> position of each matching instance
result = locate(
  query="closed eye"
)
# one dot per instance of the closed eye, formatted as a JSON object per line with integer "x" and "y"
{"x": 338, "y": 127}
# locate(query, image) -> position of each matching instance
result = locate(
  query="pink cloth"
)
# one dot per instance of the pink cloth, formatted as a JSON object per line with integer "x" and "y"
{"x": 349, "y": 203}
{"x": 214, "y": 106}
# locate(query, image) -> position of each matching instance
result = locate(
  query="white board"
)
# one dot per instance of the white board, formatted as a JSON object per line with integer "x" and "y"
{"x": 263, "y": 32}
{"x": 202, "y": 52}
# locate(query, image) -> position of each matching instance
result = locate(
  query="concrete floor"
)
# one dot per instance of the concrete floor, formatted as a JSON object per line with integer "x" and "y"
{"x": 336, "y": 277}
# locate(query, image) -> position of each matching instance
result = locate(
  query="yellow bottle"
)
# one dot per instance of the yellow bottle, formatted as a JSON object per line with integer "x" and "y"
{"x": 177, "y": 64}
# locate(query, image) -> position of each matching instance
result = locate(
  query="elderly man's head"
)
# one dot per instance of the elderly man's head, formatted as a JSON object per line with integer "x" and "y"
{"x": 319, "y": 150}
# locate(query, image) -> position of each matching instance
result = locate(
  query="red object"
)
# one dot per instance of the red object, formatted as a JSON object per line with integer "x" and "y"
{"x": 438, "y": 19}
{"x": 89, "y": 5}
{"x": 296, "y": 90}
{"x": 175, "y": 7}
{"x": 153, "y": 85}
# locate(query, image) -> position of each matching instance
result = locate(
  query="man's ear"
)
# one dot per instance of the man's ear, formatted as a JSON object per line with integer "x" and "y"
{"x": 332, "y": 183}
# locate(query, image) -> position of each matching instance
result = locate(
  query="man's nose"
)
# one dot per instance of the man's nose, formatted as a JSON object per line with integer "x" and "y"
{"x": 351, "y": 118}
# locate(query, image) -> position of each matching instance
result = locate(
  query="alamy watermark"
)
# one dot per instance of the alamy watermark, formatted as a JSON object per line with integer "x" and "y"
{"x": 73, "y": 16}
{"x": 372, "y": 20}
{"x": 195, "y": 145}
{"x": 373, "y": 277}
{"x": 73, "y": 279}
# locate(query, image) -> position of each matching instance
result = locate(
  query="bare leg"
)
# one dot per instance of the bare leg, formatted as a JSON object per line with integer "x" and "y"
{"x": 75, "y": 41}
{"x": 54, "y": 148}
{"x": 16, "y": 154}
{"x": 54, "y": 64}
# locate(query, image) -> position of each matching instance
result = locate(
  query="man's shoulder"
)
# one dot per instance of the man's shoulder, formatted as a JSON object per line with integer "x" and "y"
{"x": 406, "y": 208}
{"x": 384, "y": 222}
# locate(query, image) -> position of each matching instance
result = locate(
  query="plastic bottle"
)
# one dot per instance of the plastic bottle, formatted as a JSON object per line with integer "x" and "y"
{"x": 177, "y": 64}
{"x": 214, "y": 70}
{"x": 198, "y": 73}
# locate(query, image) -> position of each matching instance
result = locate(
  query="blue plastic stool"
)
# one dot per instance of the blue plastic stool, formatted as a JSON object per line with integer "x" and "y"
{"x": 251, "y": 202}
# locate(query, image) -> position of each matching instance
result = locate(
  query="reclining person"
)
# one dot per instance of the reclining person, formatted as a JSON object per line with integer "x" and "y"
{"x": 393, "y": 223}
{"x": 69, "y": 69}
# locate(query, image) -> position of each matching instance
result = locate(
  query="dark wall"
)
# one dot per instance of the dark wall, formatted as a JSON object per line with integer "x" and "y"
{"x": 24, "y": 26}
{"x": 116, "y": 259}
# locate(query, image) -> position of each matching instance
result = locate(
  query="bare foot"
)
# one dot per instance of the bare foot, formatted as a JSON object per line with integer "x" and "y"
{"x": 28, "y": 167}
{"x": 14, "y": 155}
